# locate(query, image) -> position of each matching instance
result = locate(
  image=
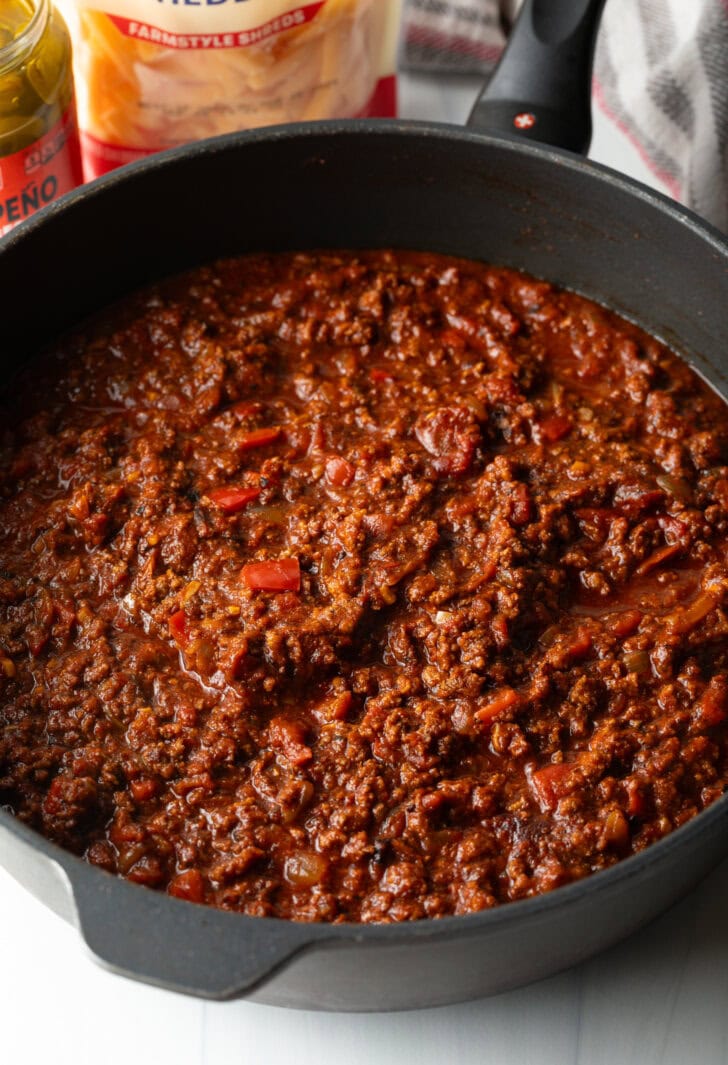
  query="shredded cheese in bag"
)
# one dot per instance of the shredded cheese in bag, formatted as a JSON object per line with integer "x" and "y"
{"x": 152, "y": 74}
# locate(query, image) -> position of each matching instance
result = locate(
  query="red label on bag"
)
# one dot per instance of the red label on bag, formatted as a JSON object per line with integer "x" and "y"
{"x": 39, "y": 174}
{"x": 99, "y": 157}
{"x": 383, "y": 101}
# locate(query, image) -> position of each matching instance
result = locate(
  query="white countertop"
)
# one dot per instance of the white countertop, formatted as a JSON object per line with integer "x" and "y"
{"x": 658, "y": 999}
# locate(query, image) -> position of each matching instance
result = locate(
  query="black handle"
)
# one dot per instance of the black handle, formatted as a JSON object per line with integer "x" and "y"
{"x": 180, "y": 946}
{"x": 149, "y": 936}
{"x": 541, "y": 88}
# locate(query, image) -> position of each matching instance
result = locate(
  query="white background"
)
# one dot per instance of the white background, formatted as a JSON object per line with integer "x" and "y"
{"x": 661, "y": 997}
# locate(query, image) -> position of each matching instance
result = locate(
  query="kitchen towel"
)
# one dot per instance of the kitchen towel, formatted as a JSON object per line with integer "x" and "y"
{"x": 660, "y": 75}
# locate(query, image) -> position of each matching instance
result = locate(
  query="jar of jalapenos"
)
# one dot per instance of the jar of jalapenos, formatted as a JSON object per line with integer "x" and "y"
{"x": 39, "y": 149}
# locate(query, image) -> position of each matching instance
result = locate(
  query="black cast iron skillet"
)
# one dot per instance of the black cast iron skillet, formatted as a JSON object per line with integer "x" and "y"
{"x": 356, "y": 185}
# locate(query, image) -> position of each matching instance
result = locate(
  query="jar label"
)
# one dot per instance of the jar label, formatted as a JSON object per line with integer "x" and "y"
{"x": 40, "y": 173}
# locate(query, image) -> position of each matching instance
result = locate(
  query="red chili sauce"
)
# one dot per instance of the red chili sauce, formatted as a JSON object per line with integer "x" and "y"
{"x": 362, "y": 587}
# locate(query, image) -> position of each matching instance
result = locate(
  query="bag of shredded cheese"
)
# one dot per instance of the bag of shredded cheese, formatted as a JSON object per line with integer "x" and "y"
{"x": 151, "y": 74}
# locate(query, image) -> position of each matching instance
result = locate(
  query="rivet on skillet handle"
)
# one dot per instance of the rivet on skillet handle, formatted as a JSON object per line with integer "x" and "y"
{"x": 541, "y": 88}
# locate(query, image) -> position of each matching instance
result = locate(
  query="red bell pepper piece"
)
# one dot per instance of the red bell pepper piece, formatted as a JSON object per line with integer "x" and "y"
{"x": 258, "y": 438}
{"x": 274, "y": 575}
{"x": 179, "y": 628}
{"x": 231, "y": 500}
{"x": 501, "y": 701}
{"x": 554, "y": 427}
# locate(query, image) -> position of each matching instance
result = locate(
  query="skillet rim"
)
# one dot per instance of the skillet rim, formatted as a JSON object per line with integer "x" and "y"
{"x": 369, "y": 127}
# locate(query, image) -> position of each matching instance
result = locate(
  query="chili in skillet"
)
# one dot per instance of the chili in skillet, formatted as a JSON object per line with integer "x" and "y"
{"x": 361, "y": 587}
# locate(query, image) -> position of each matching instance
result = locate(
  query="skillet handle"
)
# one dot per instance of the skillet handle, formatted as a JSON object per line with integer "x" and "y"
{"x": 179, "y": 945}
{"x": 541, "y": 88}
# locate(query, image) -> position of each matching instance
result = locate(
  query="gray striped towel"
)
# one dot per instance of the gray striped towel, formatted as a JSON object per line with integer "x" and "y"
{"x": 661, "y": 76}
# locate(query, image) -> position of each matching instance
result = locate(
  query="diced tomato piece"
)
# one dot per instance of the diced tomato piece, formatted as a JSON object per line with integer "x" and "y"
{"x": 289, "y": 736}
{"x": 274, "y": 575}
{"x": 551, "y": 783}
{"x": 179, "y": 627}
{"x": 499, "y": 628}
{"x": 84, "y": 767}
{"x": 712, "y": 706}
{"x": 339, "y": 472}
{"x": 142, "y": 789}
{"x": 632, "y": 499}
{"x": 554, "y": 427}
{"x": 377, "y": 374}
{"x": 189, "y": 885}
{"x": 636, "y": 804}
{"x": 501, "y": 387}
{"x": 231, "y": 500}
{"x": 335, "y": 707}
{"x": 78, "y": 506}
{"x": 521, "y": 505}
{"x": 488, "y": 571}
{"x": 579, "y": 645}
{"x": 147, "y": 870}
{"x": 675, "y": 530}
{"x": 340, "y": 705}
{"x": 65, "y": 612}
{"x": 379, "y": 525}
{"x": 37, "y": 641}
{"x": 450, "y": 435}
{"x": 122, "y": 832}
{"x": 625, "y": 624}
{"x": 501, "y": 701}
{"x": 258, "y": 438}
{"x": 433, "y": 801}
